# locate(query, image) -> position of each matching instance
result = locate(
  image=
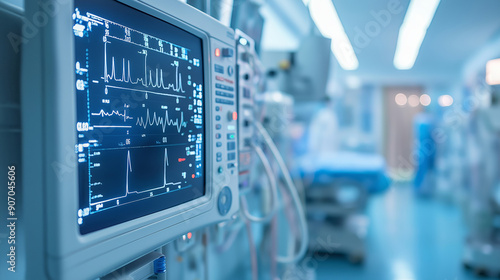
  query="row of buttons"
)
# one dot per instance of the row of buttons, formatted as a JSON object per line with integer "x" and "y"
{"x": 226, "y": 52}
{"x": 221, "y": 88}
{"x": 230, "y": 136}
{"x": 224, "y": 101}
{"x": 230, "y": 156}
{"x": 224, "y": 94}
{"x": 224, "y": 87}
{"x": 220, "y": 69}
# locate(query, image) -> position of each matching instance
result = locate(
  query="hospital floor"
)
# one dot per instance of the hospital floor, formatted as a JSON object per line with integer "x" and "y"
{"x": 409, "y": 238}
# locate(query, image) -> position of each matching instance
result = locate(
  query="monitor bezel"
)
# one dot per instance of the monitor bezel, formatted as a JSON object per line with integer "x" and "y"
{"x": 62, "y": 201}
{"x": 204, "y": 113}
{"x": 51, "y": 243}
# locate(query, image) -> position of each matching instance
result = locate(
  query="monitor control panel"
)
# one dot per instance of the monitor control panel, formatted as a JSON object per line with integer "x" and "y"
{"x": 245, "y": 93}
{"x": 224, "y": 116}
{"x": 129, "y": 124}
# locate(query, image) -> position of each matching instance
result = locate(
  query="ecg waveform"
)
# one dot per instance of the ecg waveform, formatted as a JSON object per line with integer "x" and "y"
{"x": 103, "y": 114}
{"x": 130, "y": 170}
{"x": 163, "y": 122}
{"x": 146, "y": 95}
{"x": 153, "y": 79}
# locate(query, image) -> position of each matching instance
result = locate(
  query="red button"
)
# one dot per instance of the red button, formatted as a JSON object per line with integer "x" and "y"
{"x": 217, "y": 52}
{"x": 235, "y": 116}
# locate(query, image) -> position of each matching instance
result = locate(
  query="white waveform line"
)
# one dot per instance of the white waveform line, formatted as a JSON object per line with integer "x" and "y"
{"x": 165, "y": 184}
{"x": 165, "y": 164}
{"x": 161, "y": 84}
{"x": 127, "y": 78}
{"x": 112, "y": 126}
{"x": 102, "y": 113}
{"x": 161, "y": 121}
{"x": 129, "y": 170}
{"x": 129, "y": 165}
{"x": 146, "y": 91}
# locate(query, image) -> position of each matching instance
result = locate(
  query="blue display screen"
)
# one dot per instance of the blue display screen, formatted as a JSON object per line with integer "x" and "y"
{"x": 140, "y": 114}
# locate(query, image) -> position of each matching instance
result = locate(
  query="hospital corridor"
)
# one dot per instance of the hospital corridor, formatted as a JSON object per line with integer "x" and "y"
{"x": 249, "y": 140}
{"x": 422, "y": 240}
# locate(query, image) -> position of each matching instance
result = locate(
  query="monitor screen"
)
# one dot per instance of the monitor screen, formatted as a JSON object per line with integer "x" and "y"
{"x": 140, "y": 114}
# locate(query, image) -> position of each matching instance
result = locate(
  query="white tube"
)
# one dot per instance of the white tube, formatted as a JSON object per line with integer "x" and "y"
{"x": 251, "y": 244}
{"x": 274, "y": 192}
{"x": 229, "y": 240}
{"x": 293, "y": 193}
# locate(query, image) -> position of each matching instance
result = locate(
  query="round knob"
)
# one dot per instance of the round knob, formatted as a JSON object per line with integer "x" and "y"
{"x": 224, "y": 201}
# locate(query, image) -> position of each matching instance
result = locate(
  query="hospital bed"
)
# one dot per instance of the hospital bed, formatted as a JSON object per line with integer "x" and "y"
{"x": 337, "y": 187}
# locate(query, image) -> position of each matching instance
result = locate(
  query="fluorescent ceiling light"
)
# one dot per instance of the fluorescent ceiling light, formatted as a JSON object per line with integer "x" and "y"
{"x": 493, "y": 72}
{"x": 412, "y": 32}
{"x": 328, "y": 22}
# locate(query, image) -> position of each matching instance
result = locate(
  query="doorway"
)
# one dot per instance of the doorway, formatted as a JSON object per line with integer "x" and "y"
{"x": 401, "y": 104}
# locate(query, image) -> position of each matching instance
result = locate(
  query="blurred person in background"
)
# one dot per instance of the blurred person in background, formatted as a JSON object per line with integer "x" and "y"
{"x": 323, "y": 131}
{"x": 425, "y": 152}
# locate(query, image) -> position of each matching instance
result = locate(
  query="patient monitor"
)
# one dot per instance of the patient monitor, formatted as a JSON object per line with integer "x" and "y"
{"x": 129, "y": 131}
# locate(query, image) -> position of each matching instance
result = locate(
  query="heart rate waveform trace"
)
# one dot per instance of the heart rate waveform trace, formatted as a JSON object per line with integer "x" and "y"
{"x": 139, "y": 92}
